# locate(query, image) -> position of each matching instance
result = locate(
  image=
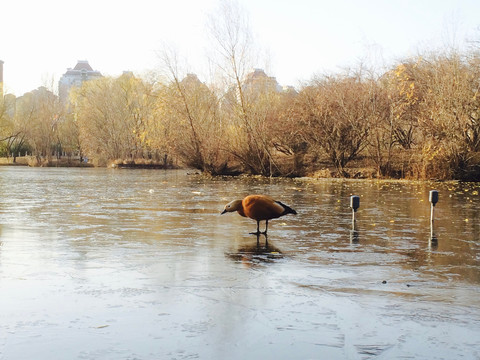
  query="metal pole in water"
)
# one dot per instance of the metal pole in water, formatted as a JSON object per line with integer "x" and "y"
{"x": 354, "y": 204}
{"x": 433, "y": 198}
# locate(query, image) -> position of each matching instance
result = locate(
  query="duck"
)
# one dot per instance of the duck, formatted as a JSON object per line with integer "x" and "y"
{"x": 258, "y": 208}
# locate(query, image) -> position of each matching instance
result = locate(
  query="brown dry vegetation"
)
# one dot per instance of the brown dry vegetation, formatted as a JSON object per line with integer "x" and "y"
{"x": 419, "y": 120}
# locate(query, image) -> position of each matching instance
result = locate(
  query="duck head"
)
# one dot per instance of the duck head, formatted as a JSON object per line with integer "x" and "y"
{"x": 232, "y": 206}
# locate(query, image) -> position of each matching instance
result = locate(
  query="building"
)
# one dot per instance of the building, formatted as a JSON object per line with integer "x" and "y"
{"x": 258, "y": 81}
{"x": 255, "y": 84}
{"x": 75, "y": 77}
{"x": 191, "y": 81}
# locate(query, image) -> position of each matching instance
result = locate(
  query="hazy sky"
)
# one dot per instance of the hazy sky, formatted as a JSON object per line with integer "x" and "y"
{"x": 41, "y": 39}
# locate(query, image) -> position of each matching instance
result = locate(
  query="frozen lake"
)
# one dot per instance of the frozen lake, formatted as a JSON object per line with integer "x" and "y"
{"x": 138, "y": 264}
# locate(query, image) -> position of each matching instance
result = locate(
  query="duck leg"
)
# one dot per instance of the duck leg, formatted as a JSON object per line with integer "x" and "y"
{"x": 258, "y": 229}
{"x": 266, "y": 228}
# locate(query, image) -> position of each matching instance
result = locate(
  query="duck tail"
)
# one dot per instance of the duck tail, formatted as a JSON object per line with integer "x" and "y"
{"x": 288, "y": 209}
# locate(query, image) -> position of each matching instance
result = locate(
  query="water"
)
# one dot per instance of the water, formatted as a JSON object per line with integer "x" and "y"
{"x": 122, "y": 264}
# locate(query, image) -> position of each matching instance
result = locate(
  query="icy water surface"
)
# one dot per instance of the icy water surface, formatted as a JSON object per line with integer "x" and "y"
{"x": 121, "y": 264}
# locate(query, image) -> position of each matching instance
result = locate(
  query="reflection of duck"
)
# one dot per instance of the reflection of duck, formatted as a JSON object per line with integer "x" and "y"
{"x": 259, "y": 207}
{"x": 256, "y": 253}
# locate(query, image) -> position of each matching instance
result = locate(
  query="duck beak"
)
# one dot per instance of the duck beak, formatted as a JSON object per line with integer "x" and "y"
{"x": 223, "y": 212}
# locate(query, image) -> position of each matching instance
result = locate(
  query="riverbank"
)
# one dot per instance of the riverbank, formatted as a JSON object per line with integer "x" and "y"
{"x": 360, "y": 170}
{"x": 34, "y": 162}
{"x": 20, "y": 161}
{"x": 325, "y": 172}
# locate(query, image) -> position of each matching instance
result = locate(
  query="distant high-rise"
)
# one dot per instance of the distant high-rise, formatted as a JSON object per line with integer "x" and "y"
{"x": 258, "y": 80}
{"x": 75, "y": 77}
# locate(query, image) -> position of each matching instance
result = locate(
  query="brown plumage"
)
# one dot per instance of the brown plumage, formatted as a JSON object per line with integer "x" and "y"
{"x": 258, "y": 208}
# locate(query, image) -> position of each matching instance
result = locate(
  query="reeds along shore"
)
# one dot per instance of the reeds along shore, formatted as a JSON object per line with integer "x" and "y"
{"x": 420, "y": 119}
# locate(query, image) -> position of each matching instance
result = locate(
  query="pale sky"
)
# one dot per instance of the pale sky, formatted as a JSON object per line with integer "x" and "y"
{"x": 41, "y": 39}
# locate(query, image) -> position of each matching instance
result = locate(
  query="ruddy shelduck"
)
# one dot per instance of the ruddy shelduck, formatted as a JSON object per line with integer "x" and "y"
{"x": 258, "y": 208}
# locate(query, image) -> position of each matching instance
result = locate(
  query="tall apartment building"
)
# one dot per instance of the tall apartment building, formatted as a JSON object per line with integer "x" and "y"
{"x": 75, "y": 77}
{"x": 258, "y": 81}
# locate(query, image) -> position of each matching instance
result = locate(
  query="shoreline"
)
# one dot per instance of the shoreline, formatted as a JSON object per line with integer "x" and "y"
{"x": 316, "y": 175}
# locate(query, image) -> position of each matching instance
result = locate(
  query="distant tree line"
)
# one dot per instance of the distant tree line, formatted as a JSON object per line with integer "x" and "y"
{"x": 419, "y": 120}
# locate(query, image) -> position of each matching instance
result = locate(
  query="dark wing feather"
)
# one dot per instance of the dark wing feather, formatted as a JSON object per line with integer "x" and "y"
{"x": 288, "y": 209}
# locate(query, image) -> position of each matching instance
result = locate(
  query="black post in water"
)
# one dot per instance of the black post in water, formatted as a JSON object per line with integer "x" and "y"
{"x": 433, "y": 198}
{"x": 354, "y": 204}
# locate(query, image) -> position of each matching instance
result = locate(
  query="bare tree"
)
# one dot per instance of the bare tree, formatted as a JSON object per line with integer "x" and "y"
{"x": 285, "y": 128}
{"x": 336, "y": 112}
{"x": 112, "y": 116}
{"x": 194, "y": 119}
{"x": 245, "y": 106}
{"x": 36, "y": 119}
{"x": 450, "y": 119}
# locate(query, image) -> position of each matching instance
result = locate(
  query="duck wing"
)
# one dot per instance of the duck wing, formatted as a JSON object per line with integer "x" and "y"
{"x": 261, "y": 207}
{"x": 287, "y": 209}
